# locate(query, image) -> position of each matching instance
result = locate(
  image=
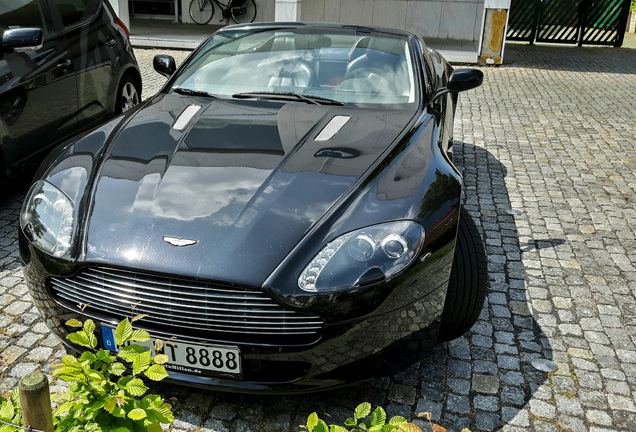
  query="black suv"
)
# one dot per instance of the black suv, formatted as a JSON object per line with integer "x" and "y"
{"x": 65, "y": 66}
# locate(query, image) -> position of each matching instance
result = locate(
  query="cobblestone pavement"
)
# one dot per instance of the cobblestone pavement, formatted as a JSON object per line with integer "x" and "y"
{"x": 550, "y": 135}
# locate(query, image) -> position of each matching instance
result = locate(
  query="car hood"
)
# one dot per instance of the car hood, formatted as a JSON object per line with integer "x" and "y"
{"x": 224, "y": 190}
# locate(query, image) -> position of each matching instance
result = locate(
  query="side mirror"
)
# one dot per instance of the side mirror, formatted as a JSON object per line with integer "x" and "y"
{"x": 30, "y": 38}
{"x": 464, "y": 79}
{"x": 461, "y": 80}
{"x": 164, "y": 64}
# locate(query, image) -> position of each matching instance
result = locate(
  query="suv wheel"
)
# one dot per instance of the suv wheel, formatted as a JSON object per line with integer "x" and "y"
{"x": 128, "y": 94}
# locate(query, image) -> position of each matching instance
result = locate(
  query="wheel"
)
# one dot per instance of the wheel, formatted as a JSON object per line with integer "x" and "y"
{"x": 128, "y": 94}
{"x": 468, "y": 284}
{"x": 243, "y": 11}
{"x": 201, "y": 11}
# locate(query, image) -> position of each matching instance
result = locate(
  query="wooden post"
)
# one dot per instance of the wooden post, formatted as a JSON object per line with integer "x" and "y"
{"x": 35, "y": 398}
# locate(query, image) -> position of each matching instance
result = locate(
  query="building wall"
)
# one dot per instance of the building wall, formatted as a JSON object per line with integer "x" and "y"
{"x": 448, "y": 19}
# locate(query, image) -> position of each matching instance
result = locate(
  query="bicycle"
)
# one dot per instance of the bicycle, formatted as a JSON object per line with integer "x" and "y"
{"x": 241, "y": 11}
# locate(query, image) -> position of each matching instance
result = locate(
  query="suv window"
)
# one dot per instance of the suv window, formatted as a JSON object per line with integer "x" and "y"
{"x": 76, "y": 11}
{"x": 25, "y": 13}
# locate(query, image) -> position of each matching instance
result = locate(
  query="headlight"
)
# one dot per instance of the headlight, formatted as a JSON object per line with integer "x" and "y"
{"x": 47, "y": 218}
{"x": 363, "y": 256}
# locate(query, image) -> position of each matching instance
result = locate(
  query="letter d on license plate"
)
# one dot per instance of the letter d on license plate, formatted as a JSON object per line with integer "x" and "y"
{"x": 189, "y": 358}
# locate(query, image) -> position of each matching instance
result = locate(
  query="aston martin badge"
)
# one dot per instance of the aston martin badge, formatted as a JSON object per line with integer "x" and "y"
{"x": 179, "y": 242}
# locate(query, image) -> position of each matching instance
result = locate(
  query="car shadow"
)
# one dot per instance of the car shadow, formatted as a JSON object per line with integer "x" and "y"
{"x": 482, "y": 380}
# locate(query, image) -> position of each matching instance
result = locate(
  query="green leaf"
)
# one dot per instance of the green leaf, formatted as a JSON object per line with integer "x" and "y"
{"x": 136, "y": 387}
{"x": 137, "y": 414}
{"x": 88, "y": 356}
{"x": 123, "y": 332}
{"x": 160, "y": 359}
{"x": 397, "y": 420}
{"x": 378, "y": 417}
{"x": 158, "y": 345}
{"x": 312, "y": 421}
{"x": 110, "y": 404}
{"x": 162, "y": 413}
{"x": 362, "y": 410}
{"x": 154, "y": 427}
{"x": 123, "y": 381}
{"x": 156, "y": 372}
{"x": 141, "y": 363}
{"x": 89, "y": 326}
{"x": 336, "y": 428}
{"x": 321, "y": 427}
{"x": 95, "y": 376}
{"x": 140, "y": 336}
{"x": 118, "y": 429}
{"x": 117, "y": 369}
{"x": 79, "y": 338}
{"x": 70, "y": 360}
{"x": 350, "y": 422}
{"x": 15, "y": 396}
{"x": 74, "y": 323}
{"x": 130, "y": 352}
{"x": 105, "y": 356}
{"x": 68, "y": 370}
{"x": 119, "y": 412}
{"x": 7, "y": 411}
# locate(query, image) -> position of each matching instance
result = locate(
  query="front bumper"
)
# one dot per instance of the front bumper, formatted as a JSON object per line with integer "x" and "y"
{"x": 395, "y": 335}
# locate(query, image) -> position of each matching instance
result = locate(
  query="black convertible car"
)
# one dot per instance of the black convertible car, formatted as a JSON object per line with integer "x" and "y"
{"x": 286, "y": 211}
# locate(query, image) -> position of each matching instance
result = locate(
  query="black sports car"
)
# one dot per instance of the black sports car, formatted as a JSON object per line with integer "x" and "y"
{"x": 286, "y": 209}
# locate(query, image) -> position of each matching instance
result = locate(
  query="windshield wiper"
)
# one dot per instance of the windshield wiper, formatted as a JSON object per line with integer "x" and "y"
{"x": 310, "y": 99}
{"x": 190, "y": 92}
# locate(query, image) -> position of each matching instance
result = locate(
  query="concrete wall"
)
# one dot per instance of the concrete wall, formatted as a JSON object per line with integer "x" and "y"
{"x": 631, "y": 22}
{"x": 449, "y": 19}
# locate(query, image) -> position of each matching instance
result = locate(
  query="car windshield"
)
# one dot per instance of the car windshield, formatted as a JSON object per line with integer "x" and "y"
{"x": 339, "y": 66}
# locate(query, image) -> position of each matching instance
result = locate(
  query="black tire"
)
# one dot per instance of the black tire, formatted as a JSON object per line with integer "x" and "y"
{"x": 243, "y": 11}
{"x": 128, "y": 94}
{"x": 468, "y": 284}
{"x": 201, "y": 11}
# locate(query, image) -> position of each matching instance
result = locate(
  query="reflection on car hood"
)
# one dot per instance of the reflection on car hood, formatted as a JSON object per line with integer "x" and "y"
{"x": 243, "y": 180}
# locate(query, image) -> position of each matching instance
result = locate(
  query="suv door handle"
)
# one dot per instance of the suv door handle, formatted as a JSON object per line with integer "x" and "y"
{"x": 110, "y": 42}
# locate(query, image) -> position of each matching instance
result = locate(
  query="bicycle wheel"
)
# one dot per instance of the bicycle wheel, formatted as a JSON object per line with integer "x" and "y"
{"x": 201, "y": 11}
{"x": 243, "y": 11}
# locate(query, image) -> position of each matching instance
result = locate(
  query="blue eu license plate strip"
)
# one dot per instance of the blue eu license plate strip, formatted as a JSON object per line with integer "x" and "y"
{"x": 108, "y": 339}
{"x": 187, "y": 357}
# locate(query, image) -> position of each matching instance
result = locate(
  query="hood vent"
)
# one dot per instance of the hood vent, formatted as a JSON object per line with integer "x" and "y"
{"x": 332, "y": 128}
{"x": 185, "y": 117}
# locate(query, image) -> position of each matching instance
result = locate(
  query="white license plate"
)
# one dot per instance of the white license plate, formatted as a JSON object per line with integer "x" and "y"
{"x": 187, "y": 357}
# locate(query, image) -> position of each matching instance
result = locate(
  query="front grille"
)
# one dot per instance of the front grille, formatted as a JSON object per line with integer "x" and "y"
{"x": 229, "y": 313}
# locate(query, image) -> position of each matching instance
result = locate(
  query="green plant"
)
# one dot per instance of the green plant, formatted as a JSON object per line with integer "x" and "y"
{"x": 632, "y": 7}
{"x": 376, "y": 422}
{"x": 10, "y": 411}
{"x": 101, "y": 397}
